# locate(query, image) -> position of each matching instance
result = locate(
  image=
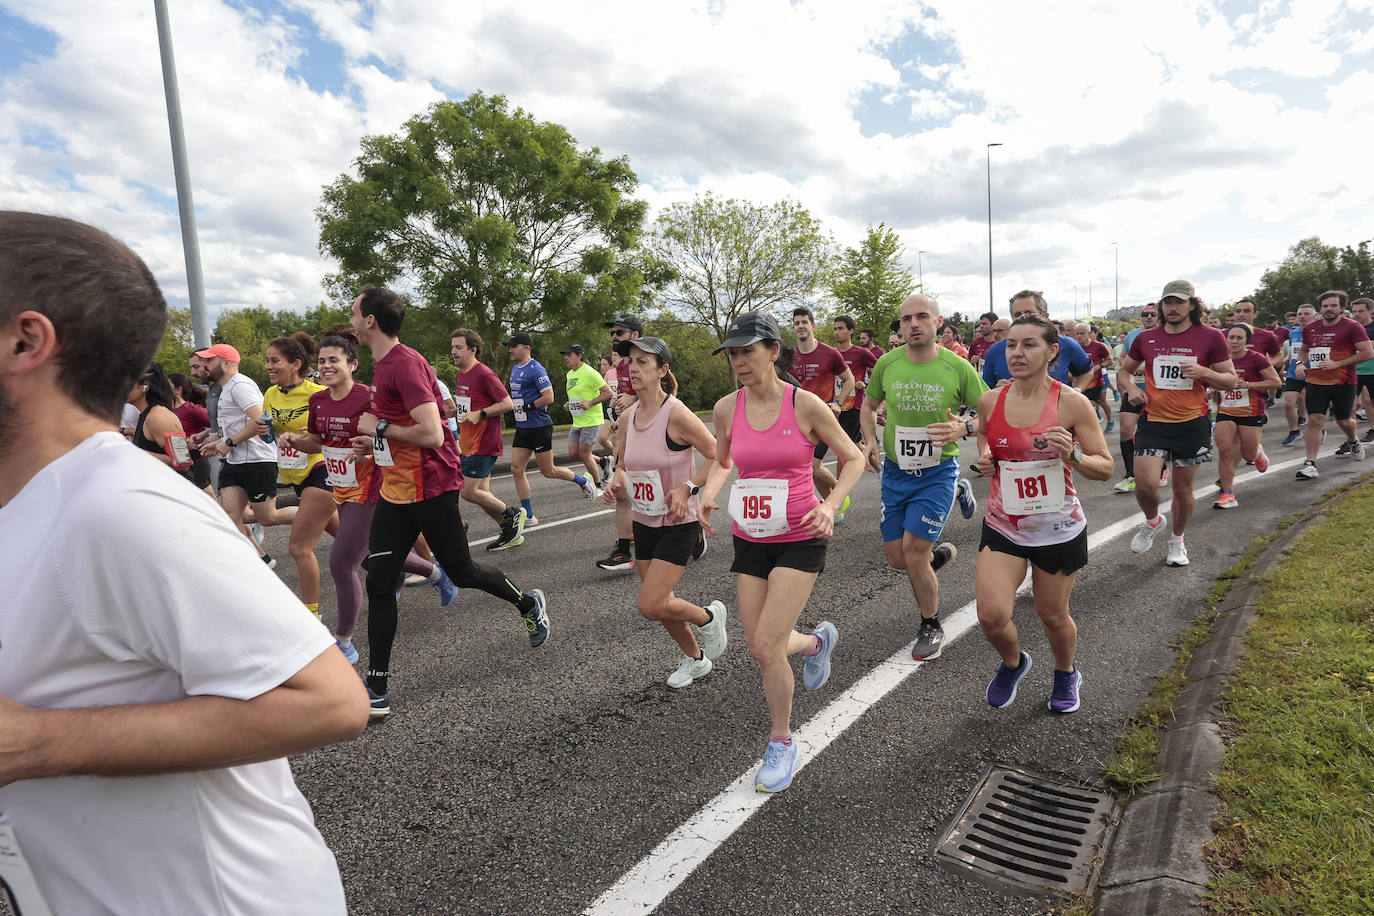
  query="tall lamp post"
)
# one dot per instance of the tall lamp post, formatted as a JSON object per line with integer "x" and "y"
{"x": 1116, "y": 275}
{"x": 989, "y": 157}
{"x": 920, "y": 274}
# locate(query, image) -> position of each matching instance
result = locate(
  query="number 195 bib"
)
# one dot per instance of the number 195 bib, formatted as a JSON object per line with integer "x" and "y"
{"x": 759, "y": 506}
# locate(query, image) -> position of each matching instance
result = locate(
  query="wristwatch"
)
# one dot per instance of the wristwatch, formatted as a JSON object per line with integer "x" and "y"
{"x": 381, "y": 431}
{"x": 692, "y": 489}
{"x": 1076, "y": 455}
{"x": 482, "y": 413}
{"x": 968, "y": 428}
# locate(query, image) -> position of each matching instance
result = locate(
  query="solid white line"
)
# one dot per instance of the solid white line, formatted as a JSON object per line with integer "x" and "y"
{"x": 653, "y": 878}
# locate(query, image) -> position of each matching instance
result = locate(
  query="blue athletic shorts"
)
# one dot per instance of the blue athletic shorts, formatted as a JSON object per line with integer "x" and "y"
{"x": 917, "y": 501}
{"x": 478, "y": 466}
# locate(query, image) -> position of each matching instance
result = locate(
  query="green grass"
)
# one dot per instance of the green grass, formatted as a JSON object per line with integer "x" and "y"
{"x": 1295, "y": 833}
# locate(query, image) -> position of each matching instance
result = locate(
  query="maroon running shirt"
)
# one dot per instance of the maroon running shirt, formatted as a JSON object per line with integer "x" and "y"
{"x": 860, "y": 362}
{"x": 818, "y": 370}
{"x": 1339, "y": 341}
{"x": 475, "y": 390}
{"x": 401, "y": 381}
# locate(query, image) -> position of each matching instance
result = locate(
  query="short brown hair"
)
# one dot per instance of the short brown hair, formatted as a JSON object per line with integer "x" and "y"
{"x": 471, "y": 338}
{"x": 1340, "y": 294}
{"x": 1363, "y": 300}
{"x": 1041, "y": 305}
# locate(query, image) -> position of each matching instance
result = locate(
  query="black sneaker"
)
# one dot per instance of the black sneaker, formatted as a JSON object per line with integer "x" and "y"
{"x": 537, "y": 618}
{"x": 512, "y": 530}
{"x": 1368, "y": 436}
{"x": 618, "y": 560}
{"x": 929, "y": 640}
{"x": 699, "y": 551}
{"x": 942, "y": 554}
{"x": 1344, "y": 450}
{"x": 607, "y": 465}
{"x": 271, "y": 563}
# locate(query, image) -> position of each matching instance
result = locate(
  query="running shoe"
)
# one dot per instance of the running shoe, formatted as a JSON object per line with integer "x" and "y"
{"x": 349, "y": 650}
{"x": 816, "y": 668}
{"x": 1357, "y": 451}
{"x": 1164, "y": 476}
{"x": 590, "y": 489}
{"x": 1178, "y": 554}
{"x": 699, "y": 550}
{"x": 1145, "y": 537}
{"x": 688, "y": 670}
{"x": 257, "y": 533}
{"x": 537, "y": 618}
{"x": 270, "y": 563}
{"x": 448, "y": 592}
{"x": 1126, "y": 485}
{"x": 1226, "y": 501}
{"x": 531, "y": 520}
{"x": 844, "y": 507}
{"x": 413, "y": 579}
{"x": 1323, "y": 437}
{"x": 714, "y": 636}
{"x": 1343, "y": 451}
{"x": 779, "y": 765}
{"x": 1111, "y": 425}
{"x": 1002, "y": 687}
{"x": 968, "y": 503}
{"x": 606, "y": 463}
{"x": 381, "y": 704}
{"x": 512, "y": 529}
{"x": 618, "y": 560}
{"x": 929, "y": 641}
{"x": 1064, "y": 698}
{"x": 1308, "y": 471}
{"x": 1261, "y": 461}
{"x": 1368, "y": 436}
{"x": 1294, "y": 435}
{"x": 942, "y": 555}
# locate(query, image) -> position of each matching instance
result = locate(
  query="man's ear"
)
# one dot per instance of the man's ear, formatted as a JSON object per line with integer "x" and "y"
{"x": 28, "y": 341}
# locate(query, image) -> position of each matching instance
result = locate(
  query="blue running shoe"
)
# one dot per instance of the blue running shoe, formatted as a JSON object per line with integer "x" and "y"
{"x": 1002, "y": 688}
{"x": 348, "y": 649}
{"x": 448, "y": 592}
{"x": 537, "y": 618}
{"x": 381, "y": 705}
{"x": 968, "y": 503}
{"x": 816, "y": 668}
{"x": 1293, "y": 436}
{"x": 779, "y": 763}
{"x": 1065, "y": 695}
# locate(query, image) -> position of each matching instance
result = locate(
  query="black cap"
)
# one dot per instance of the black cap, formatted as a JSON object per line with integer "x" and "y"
{"x": 896, "y": 325}
{"x": 519, "y": 337}
{"x": 572, "y": 348}
{"x": 627, "y": 321}
{"x": 749, "y": 328}
{"x": 652, "y": 345}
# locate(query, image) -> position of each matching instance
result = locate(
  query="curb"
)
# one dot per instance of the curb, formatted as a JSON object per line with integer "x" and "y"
{"x": 1156, "y": 863}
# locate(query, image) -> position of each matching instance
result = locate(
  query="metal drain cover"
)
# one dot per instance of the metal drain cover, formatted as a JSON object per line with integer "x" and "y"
{"x": 1036, "y": 834}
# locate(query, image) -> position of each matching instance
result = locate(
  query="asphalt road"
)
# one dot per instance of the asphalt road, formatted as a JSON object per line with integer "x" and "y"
{"x": 515, "y": 780}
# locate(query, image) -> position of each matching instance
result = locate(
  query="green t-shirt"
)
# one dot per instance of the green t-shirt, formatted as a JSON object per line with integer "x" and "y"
{"x": 584, "y": 384}
{"x": 918, "y": 394}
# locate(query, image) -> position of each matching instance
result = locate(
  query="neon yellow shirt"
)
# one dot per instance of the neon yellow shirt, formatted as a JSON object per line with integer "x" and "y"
{"x": 289, "y": 412}
{"x": 584, "y": 384}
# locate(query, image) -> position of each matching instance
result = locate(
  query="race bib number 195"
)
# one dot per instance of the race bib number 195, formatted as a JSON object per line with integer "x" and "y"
{"x": 759, "y": 506}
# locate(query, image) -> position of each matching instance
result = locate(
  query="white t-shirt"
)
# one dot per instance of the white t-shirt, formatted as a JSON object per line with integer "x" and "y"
{"x": 238, "y": 394}
{"x": 125, "y": 584}
{"x": 128, "y": 417}
{"x": 451, "y": 421}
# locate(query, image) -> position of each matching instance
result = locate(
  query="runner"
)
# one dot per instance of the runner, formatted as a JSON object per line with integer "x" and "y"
{"x": 1032, "y": 435}
{"x": 1181, "y": 359}
{"x": 1262, "y": 340}
{"x": 1072, "y": 366}
{"x": 603, "y": 438}
{"x": 860, "y": 362}
{"x": 922, "y": 384}
{"x": 531, "y": 394}
{"x": 1242, "y": 413}
{"x": 1129, "y": 408}
{"x": 331, "y": 423}
{"x": 983, "y": 338}
{"x": 152, "y": 397}
{"x": 1101, "y": 358}
{"x": 1000, "y": 327}
{"x": 285, "y": 409}
{"x": 624, "y": 327}
{"x": 1331, "y": 348}
{"x": 1294, "y": 400}
{"x": 769, "y": 429}
{"x": 950, "y": 340}
{"x": 868, "y": 339}
{"x": 479, "y": 401}
{"x": 587, "y": 391}
{"x": 655, "y": 437}
{"x": 188, "y": 403}
{"x": 821, "y": 370}
{"x": 421, "y": 478}
{"x": 1363, "y": 310}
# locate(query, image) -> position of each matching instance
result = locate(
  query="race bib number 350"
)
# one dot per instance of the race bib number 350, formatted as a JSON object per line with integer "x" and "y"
{"x": 759, "y": 506}
{"x": 915, "y": 451}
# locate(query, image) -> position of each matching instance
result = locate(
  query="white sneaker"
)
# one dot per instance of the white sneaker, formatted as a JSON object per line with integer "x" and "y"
{"x": 1178, "y": 554}
{"x": 1145, "y": 538}
{"x": 591, "y": 490}
{"x": 413, "y": 579}
{"x": 688, "y": 670}
{"x": 1307, "y": 471}
{"x": 1357, "y": 450}
{"x": 713, "y": 635}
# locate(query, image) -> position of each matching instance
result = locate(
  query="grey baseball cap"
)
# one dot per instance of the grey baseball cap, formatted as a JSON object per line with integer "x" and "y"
{"x": 1179, "y": 289}
{"x": 654, "y": 345}
{"x": 748, "y": 328}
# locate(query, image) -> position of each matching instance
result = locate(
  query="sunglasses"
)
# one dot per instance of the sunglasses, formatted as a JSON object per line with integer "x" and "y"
{"x": 619, "y": 332}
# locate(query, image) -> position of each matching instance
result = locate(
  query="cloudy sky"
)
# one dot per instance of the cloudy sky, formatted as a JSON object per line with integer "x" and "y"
{"x": 1202, "y": 137}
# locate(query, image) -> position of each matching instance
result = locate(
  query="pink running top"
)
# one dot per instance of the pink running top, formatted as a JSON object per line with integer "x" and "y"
{"x": 1028, "y": 473}
{"x": 772, "y": 462}
{"x": 653, "y": 469}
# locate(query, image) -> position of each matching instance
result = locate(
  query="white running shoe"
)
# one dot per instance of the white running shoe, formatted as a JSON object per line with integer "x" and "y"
{"x": 714, "y": 636}
{"x": 1178, "y": 554}
{"x": 1307, "y": 471}
{"x": 688, "y": 670}
{"x": 1145, "y": 538}
{"x": 1357, "y": 450}
{"x": 591, "y": 490}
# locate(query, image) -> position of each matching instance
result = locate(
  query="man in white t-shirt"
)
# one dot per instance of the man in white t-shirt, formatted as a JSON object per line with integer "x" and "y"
{"x": 153, "y": 673}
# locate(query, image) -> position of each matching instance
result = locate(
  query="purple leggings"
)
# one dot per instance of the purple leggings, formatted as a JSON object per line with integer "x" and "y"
{"x": 347, "y": 555}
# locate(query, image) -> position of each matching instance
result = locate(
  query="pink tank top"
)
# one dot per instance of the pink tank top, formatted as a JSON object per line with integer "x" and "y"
{"x": 1031, "y": 501}
{"x": 653, "y": 469}
{"x": 771, "y": 462}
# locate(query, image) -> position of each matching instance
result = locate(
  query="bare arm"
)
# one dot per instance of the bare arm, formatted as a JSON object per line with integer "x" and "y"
{"x": 160, "y": 422}
{"x": 428, "y": 431}
{"x": 846, "y": 388}
{"x": 816, "y": 418}
{"x": 1078, "y": 421}
{"x": 545, "y": 398}
{"x": 1125, "y": 380}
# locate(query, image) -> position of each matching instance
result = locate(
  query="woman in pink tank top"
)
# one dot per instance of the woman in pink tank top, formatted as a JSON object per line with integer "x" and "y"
{"x": 1032, "y": 435}
{"x": 769, "y": 429}
{"x": 655, "y": 439}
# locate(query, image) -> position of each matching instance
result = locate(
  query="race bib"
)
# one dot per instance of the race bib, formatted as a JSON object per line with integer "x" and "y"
{"x": 575, "y": 407}
{"x": 759, "y": 506}
{"x": 16, "y": 878}
{"x": 464, "y": 406}
{"x": 1031, "y": 487}
{"x": 520, "y": 415}
{"x": 174, "y": 444}
{"x": 1239, "y": 397}
{"x": 291, "y": 459}
{"x": 339, "y": 466}
{"x": 381, "y": 454}
{"x": 1318, "y": 355}
{"x": 915, "y": 451}
{"x": 1168, "y": 372}
{"x": 646, "y": 493}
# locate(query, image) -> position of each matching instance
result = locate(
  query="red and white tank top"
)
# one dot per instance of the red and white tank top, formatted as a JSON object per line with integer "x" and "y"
{"x": 653, "y": 469}
{"x": 1032, "y": 500}
{"x": 774, "y": 491}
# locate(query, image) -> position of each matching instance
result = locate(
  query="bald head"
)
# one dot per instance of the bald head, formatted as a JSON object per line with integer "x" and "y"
{"x": 920, "y": 320}
{"x": 1000, "y": 327}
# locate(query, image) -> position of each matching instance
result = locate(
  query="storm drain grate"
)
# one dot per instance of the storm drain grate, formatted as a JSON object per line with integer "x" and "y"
{"x": 1036, "y": 834}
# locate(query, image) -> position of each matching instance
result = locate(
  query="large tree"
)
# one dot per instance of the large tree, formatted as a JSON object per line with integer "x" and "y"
{"x": 494, "y": 219}
{"x": 733, "y": 256}
{"x": 1310, "y": 269}
{"x": 870, "y": 282}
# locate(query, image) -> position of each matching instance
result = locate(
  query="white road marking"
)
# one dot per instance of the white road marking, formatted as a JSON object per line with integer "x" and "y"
{"x": 653, "y": 878}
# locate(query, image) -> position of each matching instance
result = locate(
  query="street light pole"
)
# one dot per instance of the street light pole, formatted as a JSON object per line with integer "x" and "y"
{"x": 989, "y": 157}
{"x": 1116, "y": 275}
{"x": 920, "y": 274}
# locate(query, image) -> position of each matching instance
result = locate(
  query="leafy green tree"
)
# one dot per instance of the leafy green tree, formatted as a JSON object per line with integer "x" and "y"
{"x": 1310, "y": 269}
{"x": 496, "y": 221}
{"x": 731, "y": 256}
{"x": 174, "y": 351}
{"x": 701, "y": 377}
{"x": 869, "y": 282}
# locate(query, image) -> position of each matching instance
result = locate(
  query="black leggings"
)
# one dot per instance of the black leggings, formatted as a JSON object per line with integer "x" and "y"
{"x": 394, "y": 529}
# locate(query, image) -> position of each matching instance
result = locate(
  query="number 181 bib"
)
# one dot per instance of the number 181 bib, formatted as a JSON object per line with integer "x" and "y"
{"x": 1031, "y": 487}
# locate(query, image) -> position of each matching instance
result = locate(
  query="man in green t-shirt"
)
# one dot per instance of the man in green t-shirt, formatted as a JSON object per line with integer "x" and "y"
{"x": 587, "y": 391}
{"x": 923, "y": 384}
